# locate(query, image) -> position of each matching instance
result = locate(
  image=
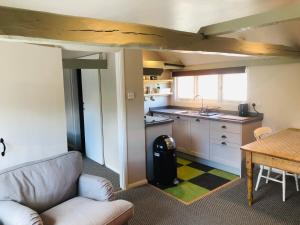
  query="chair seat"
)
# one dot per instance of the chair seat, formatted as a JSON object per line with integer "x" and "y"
{"x": 83, "y": 211}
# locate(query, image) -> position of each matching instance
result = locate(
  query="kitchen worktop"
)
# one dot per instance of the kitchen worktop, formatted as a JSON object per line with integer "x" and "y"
{"x": 222, "y": 115}
{"x": 153, "y": 120}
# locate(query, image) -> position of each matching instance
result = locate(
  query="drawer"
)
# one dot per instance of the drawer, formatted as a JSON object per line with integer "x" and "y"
{"x": 226, "y": 154}
{"x": 225, "y": 126}
{"x": 220, "y": 136}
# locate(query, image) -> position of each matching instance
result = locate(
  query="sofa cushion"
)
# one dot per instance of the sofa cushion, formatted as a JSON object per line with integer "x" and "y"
{"x": 42, "y": 184}
{"x": 84, "y": 211}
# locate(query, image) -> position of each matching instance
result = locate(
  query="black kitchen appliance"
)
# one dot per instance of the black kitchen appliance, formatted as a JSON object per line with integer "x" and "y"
{"x": 164, "y": 161}
{"x": 243, "y": 109}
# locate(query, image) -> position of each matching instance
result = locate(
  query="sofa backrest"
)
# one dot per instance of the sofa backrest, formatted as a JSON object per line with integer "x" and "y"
{"x": 42, "y": 184}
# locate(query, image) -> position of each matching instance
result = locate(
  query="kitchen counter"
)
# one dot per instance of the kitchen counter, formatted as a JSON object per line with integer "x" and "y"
{"x": 224, "y": 116}
{"x": 154, "y": 121}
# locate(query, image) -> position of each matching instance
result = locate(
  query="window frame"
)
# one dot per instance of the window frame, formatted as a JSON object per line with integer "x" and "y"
{"x": 219, "y": 100}
{"x": 176, "y": 90}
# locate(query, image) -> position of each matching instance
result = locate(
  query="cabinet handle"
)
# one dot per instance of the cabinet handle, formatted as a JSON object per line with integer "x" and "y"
{"x": 223, "y": 143}
{"x": 198, "y": 120}
{"x": 224, "y": 127}
{"x": 177, "y": 117}
{"x": 223, "y": 136}
{"x": 4, "y": 147}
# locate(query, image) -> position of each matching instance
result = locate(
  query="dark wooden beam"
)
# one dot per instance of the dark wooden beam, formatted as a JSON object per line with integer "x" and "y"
{"x": 18, "y": 23}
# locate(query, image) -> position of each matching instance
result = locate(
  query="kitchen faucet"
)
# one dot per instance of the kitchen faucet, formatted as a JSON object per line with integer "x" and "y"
{"x": 202, "y": 107}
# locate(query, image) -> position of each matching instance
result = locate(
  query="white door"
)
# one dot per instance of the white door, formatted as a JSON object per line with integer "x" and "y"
{"x": 200, "y": 138}
{"x": 181, "y": 133}
{"x": 32, "y": 108}
{"x": 92, "y": 114}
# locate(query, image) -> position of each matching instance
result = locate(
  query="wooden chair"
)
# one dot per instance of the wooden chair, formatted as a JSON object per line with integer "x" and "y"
{"x": 260, "y": 133}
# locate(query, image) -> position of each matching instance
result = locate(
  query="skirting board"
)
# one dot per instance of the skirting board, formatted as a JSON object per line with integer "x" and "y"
{"x": 137, "y": 184}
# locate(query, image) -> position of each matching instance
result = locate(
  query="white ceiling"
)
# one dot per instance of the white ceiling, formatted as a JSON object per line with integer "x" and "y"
{"x": 185, "y": 15}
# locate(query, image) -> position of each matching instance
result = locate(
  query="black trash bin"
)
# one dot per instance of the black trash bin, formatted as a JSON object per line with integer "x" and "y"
{"x": 164, "y": 161}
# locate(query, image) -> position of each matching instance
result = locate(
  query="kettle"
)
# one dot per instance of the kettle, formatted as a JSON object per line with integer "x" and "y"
{"x": 243, "y": 109}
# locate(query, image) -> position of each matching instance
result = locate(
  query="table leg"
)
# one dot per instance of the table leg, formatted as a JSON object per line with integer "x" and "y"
{"x": 249, "y": 167}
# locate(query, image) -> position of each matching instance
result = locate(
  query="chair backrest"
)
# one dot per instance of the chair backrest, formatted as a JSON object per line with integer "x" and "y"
{"x": 42, "y": 184}
{"x": 259, "y": 133}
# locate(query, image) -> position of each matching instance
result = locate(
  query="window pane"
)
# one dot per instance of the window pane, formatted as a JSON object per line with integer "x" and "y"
{"x": 185, "y": 87}
{"x": 208, "y": 87}
{"x": 235, "y": 87}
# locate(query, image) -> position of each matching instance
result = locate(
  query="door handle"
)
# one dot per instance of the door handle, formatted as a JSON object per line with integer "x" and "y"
{"x": 4, "y": 147}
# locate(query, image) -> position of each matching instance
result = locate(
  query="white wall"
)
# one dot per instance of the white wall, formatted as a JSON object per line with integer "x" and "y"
{"x": 133, "y": 72}
{"x": 159, "y": 100}
{"x": 110, "y": 114}
{"x": 32, "y": 115}
{"x": 276, "y": 91}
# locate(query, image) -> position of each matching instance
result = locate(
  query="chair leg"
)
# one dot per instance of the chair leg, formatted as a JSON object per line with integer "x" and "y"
{"x": 259, "y": 177}
{"x": 296, "y": 180}
{"x": 283, "y": 185}
{"x": 268, "y": 175}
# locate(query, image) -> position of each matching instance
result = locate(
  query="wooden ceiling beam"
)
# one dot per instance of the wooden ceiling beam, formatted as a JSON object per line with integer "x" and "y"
{"x": 84, "y": 64}
{"x": 18, "y": 23}
{"x": 279, "y": 15}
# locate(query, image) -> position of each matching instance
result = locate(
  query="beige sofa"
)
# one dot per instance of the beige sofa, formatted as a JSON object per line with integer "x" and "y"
{"x": 54, "y": 192}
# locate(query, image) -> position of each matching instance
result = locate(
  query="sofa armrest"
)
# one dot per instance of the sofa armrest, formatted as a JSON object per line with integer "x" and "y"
{"x": 94, "y": 187}
{"x": 13, "y": 213}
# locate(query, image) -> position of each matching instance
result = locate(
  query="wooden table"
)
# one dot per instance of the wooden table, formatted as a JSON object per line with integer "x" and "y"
{"x": 280, "y": 150}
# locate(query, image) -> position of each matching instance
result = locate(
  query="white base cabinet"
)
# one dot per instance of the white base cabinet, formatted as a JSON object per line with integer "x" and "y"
{"x": 214, "y": 141}
{"x": 181, "y": 133}
{"x": 199, "y": 138}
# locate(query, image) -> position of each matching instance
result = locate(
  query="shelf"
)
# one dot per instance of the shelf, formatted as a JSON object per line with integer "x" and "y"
{"x": 157, "y": 81}
{"x": 158, "y": 94}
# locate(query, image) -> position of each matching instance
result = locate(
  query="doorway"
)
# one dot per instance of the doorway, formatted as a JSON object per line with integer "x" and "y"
{"x": 93, "y": 117}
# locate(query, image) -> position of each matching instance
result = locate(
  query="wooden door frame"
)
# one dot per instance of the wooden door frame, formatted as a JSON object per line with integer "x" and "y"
{"x": 122, "y": 124}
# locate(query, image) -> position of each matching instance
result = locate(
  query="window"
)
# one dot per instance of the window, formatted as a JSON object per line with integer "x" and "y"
{"x": 234, "y": 87}
{"x": 218, "y": 87}
{"x": 185, "y": 87}
{"x": 208, "y": 87}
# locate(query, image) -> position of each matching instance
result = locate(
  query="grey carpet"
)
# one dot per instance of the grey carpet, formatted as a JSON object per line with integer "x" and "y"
{"x": 227, "y": 206}
{"x": 94, "y": 168}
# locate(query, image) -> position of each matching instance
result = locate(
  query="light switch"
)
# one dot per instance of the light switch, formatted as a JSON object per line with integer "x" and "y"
{"x": 130, "y": 95}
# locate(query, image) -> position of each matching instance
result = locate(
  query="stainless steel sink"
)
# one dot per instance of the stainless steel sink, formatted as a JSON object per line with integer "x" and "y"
{"x": 209, "y": 113}
{"x": 195, "y": 113}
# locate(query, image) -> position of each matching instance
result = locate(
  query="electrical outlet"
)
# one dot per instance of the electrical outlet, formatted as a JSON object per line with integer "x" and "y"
{"x": 130, "y": 95}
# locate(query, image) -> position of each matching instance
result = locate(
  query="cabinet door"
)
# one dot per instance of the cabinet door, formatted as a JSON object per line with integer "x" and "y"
{"x": 226, "y": 153}
{"x": 200, "y": 138}
{"x": 181, "y": 133}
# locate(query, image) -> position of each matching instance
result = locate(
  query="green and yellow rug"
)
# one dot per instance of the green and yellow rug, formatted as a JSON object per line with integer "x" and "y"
{"x": 196, "y": 181}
